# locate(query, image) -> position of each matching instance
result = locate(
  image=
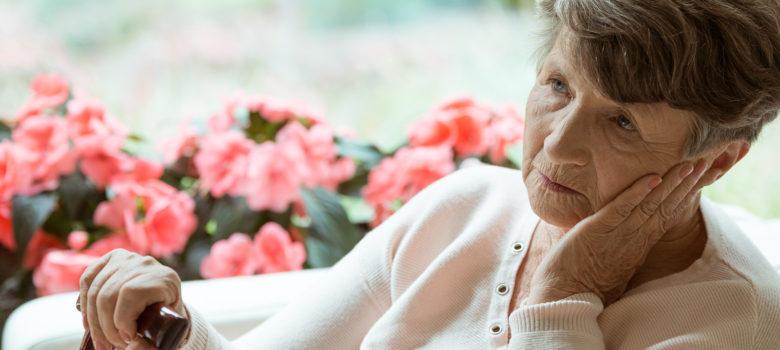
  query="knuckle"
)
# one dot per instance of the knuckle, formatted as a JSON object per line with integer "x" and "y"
{"x": 623, "y": 210}
{"x": 120, "y": 251}
{"x": 83, "y": 280}
{"x": 104, "y": 298}
{"x": 607, "y": 223}
{"x": 92, "y": 294}
{"x": 658, "y": 226}
{"x": 148, "y": 261}
{"x": 648, "y": 208}
{"x": 129, "y": 290}
{"x": 170, "y": 274}
{"x": 666, "y": 214}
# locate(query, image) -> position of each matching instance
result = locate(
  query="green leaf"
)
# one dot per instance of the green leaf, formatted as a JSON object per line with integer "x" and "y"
{"x": 261, "y": 129}
{"x": 232, "y": 215}
{"x": 8, "y": 263}
{"x": 354, "y": 186}
{"x": 358, "y": 210}
{"x": 331, "y": 235}
{"x": 79, "y": 196}
{"x": 5, "y": 131}
{"x": 365, "y": 153}
{"x": 59, "y": 224}
{"x": 195, "y": 254}
{"x": 211, "y": 227}
{"x": 28, "y": 214}
{"x": 135, "y": 138}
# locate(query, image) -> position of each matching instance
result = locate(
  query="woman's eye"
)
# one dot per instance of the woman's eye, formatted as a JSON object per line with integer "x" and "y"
{"x": 625, "y": 123}
{"x": 559, "y": 86}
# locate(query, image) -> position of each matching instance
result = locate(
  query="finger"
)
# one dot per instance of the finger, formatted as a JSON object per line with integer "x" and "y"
{"x": 93, "y": 317}
{"x": 668, "y": 211}
{"x": 706, "y": 178}
{"x": 129, "y": 306}
{"x": 648, "y": 206}
{"x": 140, "y": 343}
{"x": 616, "y": 211}
{"x": 106, "y": 305}
{"x": 86, "y": 281}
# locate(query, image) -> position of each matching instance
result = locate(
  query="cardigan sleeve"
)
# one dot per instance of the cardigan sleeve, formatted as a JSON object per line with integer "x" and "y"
{"x": 337, "y": 311}
{"x": 569, "y": 323}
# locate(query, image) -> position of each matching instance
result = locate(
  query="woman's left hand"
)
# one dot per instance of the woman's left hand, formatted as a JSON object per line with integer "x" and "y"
{"x": 601, "y": 253}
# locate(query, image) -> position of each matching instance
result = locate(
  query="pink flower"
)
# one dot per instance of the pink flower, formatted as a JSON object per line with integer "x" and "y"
{"x": 276, "y": 110}
{"x": 314, "y": 153}
{"x": 14, "y": 172}
{"x": 43, "y": 141}
{"x": 91, "y": 129}
{"x": 432, "y": 132}
{"x": 225, "y": 119}
{"x": 222, "y": 162}
{"x": 234, "y": 256}
{"x": 6, "y": 228}
{"x": 77, "y": 240}
{"x": 103, "y": 164}
{"x": 221, "y": 122}
{"x": 277, "y": 251}
{"x": 40, "y": 244}
{"x": 139, "y": 170}
{"x": 272, "y": 178}
{"x": 60, "y": 271}
{"x": 106, "y": 165}
{"x": 47, "y": 91}
{"x": 459, "y": 123}
{"x": 504, "y": 130}
{"x": 400, "y": 177}
{"x": 157, "y": 219}
{"x": 109, "y": 243}
{"x": 339, "y": 171}
{"x": 183, "y": 144}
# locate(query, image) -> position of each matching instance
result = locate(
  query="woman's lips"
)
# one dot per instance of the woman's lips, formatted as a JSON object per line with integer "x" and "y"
{"x": 554, "y": 186}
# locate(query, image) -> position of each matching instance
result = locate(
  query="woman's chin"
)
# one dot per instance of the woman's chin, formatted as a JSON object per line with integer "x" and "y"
{"x": 563, "y": 214}
{"x": 556, "y": 218}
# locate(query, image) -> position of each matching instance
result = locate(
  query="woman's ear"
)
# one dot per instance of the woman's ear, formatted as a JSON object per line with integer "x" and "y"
{"x": 722, "y": 159}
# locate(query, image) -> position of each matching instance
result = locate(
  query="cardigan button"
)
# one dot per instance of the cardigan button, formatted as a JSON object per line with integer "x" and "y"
{"x": 495, "y": 328}
{"x": 517, "y": 247}
{"x": 502, "y": 289}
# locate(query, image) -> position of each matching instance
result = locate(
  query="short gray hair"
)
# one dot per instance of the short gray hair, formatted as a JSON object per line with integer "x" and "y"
{"x": 719, "y": 59}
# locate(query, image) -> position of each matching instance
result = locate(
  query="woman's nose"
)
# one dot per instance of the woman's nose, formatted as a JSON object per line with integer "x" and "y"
{"x": 567, "y": 142}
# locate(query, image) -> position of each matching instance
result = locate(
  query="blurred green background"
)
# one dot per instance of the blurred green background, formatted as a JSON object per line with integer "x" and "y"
{"x": 370, "y": 65}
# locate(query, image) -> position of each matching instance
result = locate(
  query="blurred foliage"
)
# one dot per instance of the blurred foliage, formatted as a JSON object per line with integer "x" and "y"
{"x": 370, "y": 65}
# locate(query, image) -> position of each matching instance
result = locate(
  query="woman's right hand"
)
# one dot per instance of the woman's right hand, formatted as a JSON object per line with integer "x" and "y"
{"x": 116, "y": 288}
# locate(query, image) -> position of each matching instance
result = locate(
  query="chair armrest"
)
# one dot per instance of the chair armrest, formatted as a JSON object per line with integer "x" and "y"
{"x": 232, "y": 305}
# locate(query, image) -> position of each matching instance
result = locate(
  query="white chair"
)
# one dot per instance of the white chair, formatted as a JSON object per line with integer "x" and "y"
{"x": 233, "y": 305}
{"x": 236, "y": 305}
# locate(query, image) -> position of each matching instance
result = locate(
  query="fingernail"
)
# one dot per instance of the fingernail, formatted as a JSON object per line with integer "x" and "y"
{"x": 700, "y": 167}
{"x": 686, "y": 170}
{"x": 654, "y": 182}
{"x": 125, "y": 337}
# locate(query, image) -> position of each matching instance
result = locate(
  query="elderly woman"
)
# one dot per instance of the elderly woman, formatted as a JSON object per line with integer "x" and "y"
{"x": 601, "y": 241}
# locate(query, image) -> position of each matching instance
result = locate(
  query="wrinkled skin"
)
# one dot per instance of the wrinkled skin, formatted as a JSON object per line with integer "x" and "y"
{"x": 614, "y": 228}
{"x": 116, "y": 288}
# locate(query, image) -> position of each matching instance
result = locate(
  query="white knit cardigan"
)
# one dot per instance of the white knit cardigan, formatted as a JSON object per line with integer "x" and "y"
{"x": 429, "y": 277}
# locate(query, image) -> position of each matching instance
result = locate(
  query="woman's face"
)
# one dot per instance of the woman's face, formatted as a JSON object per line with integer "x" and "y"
{"x": 591, "y": 144}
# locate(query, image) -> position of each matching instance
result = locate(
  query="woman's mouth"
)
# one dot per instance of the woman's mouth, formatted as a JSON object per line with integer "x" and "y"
{"x": 554, "y": 186}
